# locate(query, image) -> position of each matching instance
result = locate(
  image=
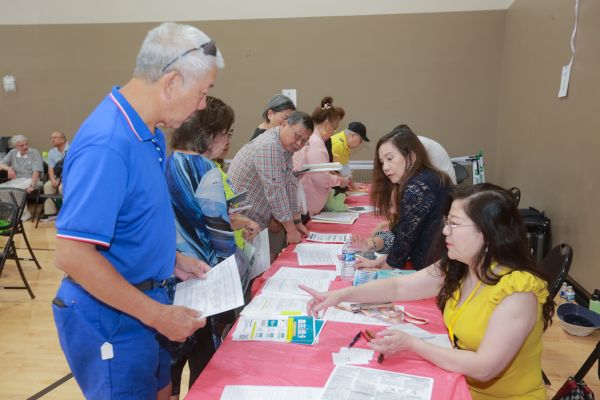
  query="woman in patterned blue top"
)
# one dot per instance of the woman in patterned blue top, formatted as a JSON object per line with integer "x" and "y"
{"x": 410, "y": 192}
{"x": 204, "y": 228}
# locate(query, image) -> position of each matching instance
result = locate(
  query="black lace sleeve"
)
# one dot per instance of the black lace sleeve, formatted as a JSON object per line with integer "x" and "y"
{"x": 388, "y": 241}
{"x": 417, "y": 203}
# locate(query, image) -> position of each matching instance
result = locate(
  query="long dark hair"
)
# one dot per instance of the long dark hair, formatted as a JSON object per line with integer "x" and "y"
{"x": 495, "y": 214}
{"x": 384, "y": 193}
{"x": 199, "y": 131}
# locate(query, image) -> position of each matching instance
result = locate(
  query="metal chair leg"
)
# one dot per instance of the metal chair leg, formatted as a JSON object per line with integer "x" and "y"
{"x": 33, "y": 257}
{"x": 546, "y": 380}
{"x": 13, "y": 251}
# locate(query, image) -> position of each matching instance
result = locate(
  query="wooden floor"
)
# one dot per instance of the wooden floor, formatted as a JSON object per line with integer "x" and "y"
{"x": 31, "y": 358}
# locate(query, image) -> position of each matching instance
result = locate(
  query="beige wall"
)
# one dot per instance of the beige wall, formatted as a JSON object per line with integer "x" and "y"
{"x": 437, "y": 72}
{"x": 548, "y": 146}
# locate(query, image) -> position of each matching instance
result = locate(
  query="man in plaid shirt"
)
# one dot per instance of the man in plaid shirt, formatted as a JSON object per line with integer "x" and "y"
{"x": 264, "y": 169}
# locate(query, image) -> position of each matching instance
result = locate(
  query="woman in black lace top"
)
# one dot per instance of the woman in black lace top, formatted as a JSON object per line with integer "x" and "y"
{"x": 410, "y": 192}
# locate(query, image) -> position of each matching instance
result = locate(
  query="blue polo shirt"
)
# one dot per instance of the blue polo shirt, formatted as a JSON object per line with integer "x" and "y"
{"x": 115, "y": 192}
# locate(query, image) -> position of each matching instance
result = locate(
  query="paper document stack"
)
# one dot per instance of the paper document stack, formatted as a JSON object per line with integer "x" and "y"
{"x": 335, "y": 217}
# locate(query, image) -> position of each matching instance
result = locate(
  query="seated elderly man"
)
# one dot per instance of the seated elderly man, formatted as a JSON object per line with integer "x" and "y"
{"x": 24, "y": 167}
{"x": 53, "y": 185}
{"x": 264, "y": 169}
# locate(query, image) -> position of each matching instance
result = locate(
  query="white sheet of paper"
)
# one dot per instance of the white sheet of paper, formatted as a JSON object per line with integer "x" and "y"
{"x": 287, "y": 279}
{"x": 318, "y": 254}
{"x": 335, "y": 314}
{"x": 220, "y": 291}
{"x": 327, "y": 237}
{"x": 439, "y": 339}
{"x": 352, "y": 355}
{"x": 353, "y": 193}
{"x": 361, "y": 209}
{"x": 347, "y": 382}
{"x": 247, "y": 392}
{"x": 261, "y": 259}
{"x": 336, "y": 217}
{"x": 273, "y": 305}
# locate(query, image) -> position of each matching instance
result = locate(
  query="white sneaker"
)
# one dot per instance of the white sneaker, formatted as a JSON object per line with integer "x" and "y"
{"x": 48, "y": 218}
{"x": 26, "y": 216}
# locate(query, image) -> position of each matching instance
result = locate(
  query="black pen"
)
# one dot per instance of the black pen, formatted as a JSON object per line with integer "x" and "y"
{"x": 355, "y": 339}
{"x": 380, "y": 358}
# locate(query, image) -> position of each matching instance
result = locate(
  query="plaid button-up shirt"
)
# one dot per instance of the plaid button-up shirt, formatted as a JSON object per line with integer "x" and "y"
{"x": 264, "y": 169}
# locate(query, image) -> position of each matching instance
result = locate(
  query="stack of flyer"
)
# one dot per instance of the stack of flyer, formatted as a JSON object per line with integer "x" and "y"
{"x": 299, "y": 329}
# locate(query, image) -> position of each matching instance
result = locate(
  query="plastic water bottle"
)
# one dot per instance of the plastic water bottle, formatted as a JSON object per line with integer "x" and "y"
{"x": 563, "y": 290}
{"x": 348, "y": 260}
{"x": 570, "y": 294}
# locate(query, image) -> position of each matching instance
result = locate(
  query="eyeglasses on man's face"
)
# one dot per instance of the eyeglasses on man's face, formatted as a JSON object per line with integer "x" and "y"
{"x": 209, "y": 48}
{"x": 299, "y": 138}
{"x": 446, "y": 223}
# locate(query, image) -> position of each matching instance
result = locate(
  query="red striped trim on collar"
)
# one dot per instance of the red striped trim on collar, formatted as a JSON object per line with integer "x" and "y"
{"x": 125, "y": 115}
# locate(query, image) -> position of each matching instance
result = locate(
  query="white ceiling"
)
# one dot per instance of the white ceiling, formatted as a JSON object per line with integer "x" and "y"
{"x": 19, "y": 12}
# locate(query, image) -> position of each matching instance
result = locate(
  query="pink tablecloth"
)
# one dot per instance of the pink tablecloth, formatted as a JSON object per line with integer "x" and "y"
{"x": 284, "y": 364}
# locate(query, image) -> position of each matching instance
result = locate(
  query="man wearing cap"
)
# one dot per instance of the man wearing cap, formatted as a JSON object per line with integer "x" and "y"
{"x": 349, "y": 139}
{"x": 116, "y": 237}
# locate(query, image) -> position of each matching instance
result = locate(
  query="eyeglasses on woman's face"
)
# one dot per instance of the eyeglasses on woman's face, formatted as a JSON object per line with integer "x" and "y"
{"x": 446, "y": 223}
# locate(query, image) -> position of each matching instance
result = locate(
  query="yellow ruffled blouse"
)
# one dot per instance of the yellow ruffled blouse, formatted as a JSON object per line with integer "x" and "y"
{"x": 522, "y": 378}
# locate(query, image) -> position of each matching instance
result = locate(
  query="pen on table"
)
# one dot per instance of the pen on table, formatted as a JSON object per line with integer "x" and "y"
{"x": 355, "y": 339}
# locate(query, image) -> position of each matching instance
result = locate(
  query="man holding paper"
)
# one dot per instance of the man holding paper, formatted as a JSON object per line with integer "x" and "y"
{"x": 116, "y": 230}
{"x": 264, "y": 169}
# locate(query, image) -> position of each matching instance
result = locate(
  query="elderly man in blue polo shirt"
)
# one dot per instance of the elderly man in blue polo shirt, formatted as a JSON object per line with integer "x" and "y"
{"x": 116, "y": 231}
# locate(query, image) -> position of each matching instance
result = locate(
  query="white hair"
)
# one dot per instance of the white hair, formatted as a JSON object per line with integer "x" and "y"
{"x": 18, "y": 139}
{"x": 168, "y": 42}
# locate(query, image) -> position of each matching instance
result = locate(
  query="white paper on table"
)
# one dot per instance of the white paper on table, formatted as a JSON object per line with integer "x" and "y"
{"x": 247, "y": 392}
{"x": 438, "y": 339}
{"x": 287, "y": 279}
{"x": 327, "y": 237}
{"x": 343, "y": 217}
{"x": 353, "y": 193}
{"x": 346, "y": 381}
{"x": 261, "y": 257}
{"x": 273, "y": 305}
{"x": 335, "y": 314}
{"x": 261, "y": 329}
{"x": 220, "y": 291}
{"x": 361, "y": 209}
{"x": 318, "y": 254}
{"x": 352, "y": 355}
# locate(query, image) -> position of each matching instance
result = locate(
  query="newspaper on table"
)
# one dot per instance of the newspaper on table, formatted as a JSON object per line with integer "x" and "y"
{"x": 249, "y": 392}
{"x": 328, "y": 237}
{"x": 353, "y": 383}
{"x": 287, "y": 279}
{"x": 220, "y": 291}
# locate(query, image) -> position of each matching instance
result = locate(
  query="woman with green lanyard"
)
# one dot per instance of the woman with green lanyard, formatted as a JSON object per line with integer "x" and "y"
{"x": 495, "y": 303}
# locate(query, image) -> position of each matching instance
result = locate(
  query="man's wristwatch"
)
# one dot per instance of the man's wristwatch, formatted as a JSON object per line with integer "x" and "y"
{"x": 297, "y": 221}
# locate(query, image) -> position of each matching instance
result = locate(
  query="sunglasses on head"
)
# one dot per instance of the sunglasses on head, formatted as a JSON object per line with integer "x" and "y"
{"x": 209, "y": 48}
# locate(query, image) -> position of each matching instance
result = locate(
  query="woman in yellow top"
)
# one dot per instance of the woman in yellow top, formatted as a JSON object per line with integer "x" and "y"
{"x": 495, "y": 304}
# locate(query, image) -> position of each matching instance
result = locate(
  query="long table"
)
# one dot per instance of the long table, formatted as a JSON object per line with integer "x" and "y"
{"x": 285, "y": 364}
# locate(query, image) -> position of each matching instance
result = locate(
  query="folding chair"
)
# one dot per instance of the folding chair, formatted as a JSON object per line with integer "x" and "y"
{"x": 515, "y": 192}
{"x": 555, "y": 266}
{"x": 9, "y": 223}
{"x": 575, "y": 387}
{"x": 18, "y": 197}
{"x": 56, "y": 197}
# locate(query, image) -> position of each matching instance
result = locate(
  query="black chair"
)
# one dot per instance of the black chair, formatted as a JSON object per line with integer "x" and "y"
{"x": 555, "y": 266}
{"x": 56, "y": 197}
{"x": 461, "y": 172}
{"x": 515, "y": 192}
{"x": 18, "y": 197}
{"x": 9, "y": 225}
